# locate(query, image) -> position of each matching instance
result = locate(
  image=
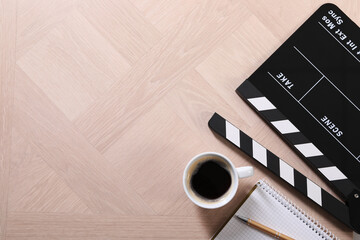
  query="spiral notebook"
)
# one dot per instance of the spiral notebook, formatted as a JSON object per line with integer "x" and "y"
{"x": 266, "y": 205}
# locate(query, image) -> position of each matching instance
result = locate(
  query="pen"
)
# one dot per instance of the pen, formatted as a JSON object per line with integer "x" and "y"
{"x": 264, "y": 229}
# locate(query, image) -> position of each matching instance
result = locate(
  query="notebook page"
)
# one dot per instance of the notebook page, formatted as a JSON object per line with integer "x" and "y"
{"x": 262, "y": 207}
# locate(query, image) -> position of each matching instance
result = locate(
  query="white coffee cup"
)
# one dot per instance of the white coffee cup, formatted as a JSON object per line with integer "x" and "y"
{"x": 235, "y": 173}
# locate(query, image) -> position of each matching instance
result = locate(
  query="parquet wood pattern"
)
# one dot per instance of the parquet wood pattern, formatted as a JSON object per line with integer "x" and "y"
{"x": 103, "y": 102}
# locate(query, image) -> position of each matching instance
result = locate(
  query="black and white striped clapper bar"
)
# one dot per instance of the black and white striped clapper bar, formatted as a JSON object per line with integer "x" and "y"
{"x": 348, "y": 213}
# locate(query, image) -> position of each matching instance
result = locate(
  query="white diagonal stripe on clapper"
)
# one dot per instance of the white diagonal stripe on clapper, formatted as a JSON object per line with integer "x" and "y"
{"x": 286, "y": 172}
{"x": 309, "y": 150}
{"x": 259, "y": 153}
{"x": 261, "y": 103}
{"x": 285, "y": 126}
{"x": 232, "y": 133}
{"x": 332, "y": 173}
{"x": 314, "y": 191}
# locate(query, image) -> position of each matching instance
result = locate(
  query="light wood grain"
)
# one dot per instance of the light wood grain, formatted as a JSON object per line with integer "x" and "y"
{"x": 167, "y": 62}
{"x": 72, "y": 226}
{"x": 73, "y": 50}
{"x": 82, "y": 167}
{"x": 122, "y": 25}
{"x": 103, "y": 103}
{"x": 36, "y": 18}
{"x": 32, "y": 180}
{"x": 7, "y": 77}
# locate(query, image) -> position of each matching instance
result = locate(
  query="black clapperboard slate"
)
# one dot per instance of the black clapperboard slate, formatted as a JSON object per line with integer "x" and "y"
{"x": 308, "y": 91}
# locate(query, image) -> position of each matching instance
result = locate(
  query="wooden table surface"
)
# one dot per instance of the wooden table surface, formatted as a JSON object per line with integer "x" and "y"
{"x": 104, "y": 102}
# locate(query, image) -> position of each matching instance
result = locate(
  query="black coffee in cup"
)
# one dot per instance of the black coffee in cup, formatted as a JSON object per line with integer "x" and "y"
{"x": 210, "y": 179}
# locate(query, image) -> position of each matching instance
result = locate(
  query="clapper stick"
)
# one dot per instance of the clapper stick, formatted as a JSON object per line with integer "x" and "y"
{"x": 280, "y": 168}
{"x": 296, "y": 139}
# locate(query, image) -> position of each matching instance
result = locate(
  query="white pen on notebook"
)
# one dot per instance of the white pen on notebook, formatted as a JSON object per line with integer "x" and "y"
{"x": 264, "y": 229}
{"x": 271, "y": 208}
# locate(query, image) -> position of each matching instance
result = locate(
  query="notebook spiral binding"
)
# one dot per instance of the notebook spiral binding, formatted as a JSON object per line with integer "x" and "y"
{"x": 301, "y": 214}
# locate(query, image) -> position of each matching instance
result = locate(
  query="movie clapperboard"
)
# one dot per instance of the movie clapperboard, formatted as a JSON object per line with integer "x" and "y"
{"x": 308, "y": 91}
